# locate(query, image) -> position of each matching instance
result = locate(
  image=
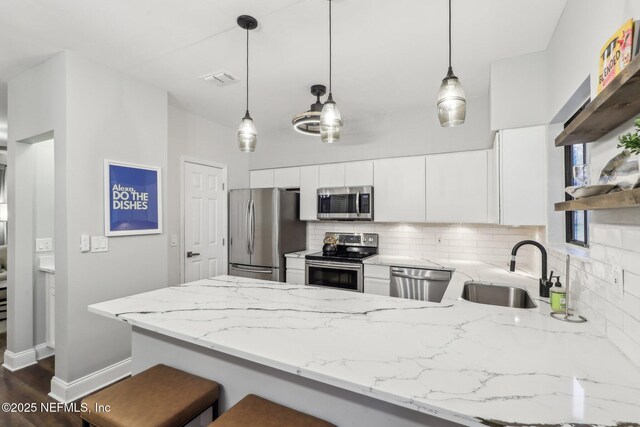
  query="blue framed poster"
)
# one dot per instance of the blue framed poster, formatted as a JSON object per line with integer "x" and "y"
{"x": 132, "y": 199}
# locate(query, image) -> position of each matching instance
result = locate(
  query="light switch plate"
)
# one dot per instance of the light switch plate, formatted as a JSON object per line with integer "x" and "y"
{"x": 99, "y": 244}
{"x": 174, "y": 240}
{"x": 85, "y": 243}
{"x": 44, "y": 245}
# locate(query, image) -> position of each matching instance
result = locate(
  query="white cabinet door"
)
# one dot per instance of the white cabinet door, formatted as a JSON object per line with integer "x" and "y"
{"x": 295, "y": 277}
{"x": 377, "y": 286}
{"x": 523, "y": 176}
{"x": 261, "y": 179}
{"x": 399, "y": 190}
{"x": 309, "y": 193}
{"x": 358, "y": 174}
{"x": 331, "y": 175}
{"x": 457, "y": 185}
{"x": 286, "y": 178}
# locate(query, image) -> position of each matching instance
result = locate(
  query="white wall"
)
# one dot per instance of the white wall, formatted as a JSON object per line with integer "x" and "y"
{"x": 95, "y": 114}
{"x": 519, "y": 91}
{"x": 583, "y": 28}
{"x": 402, "y": 133}
{"x": 37, "y": 100}
{"x": 109, "y": 116}
{"x": 193, "y": 136}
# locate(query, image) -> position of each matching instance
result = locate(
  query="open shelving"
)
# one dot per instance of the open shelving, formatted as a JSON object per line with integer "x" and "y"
{"x": 616, "y": 103}
{"x": 619, "y": 199}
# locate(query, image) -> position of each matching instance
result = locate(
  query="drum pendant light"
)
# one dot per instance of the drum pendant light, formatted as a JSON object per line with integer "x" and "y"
{"x": 247, "y": 133}
{"x": 330, "y": 118}
{"x": 452, "y": 104}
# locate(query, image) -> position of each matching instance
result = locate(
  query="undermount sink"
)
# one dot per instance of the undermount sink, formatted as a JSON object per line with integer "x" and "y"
{"x": 505, "y": 296}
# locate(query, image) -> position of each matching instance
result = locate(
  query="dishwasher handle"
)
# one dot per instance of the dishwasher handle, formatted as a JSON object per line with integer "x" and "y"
{"x": 424, "y": 274}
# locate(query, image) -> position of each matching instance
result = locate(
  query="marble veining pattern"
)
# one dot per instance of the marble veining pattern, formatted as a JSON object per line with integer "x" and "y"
{"x": 464, "y": 362}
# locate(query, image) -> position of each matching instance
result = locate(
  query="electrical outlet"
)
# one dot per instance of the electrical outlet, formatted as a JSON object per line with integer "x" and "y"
{"x": 99, "y": 244}
{"x": 44, "y": 245}
{"x": 618, "y": 281}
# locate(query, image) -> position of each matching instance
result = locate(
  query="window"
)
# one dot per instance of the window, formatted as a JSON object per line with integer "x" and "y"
{"x": 577, "y": 222}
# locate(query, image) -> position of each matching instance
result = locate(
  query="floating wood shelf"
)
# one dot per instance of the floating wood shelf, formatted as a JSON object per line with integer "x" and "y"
{"x": 619, "y": 199}
{"x": 617, "y": 103}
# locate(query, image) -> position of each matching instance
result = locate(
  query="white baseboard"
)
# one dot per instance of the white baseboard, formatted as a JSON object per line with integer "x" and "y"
{"x": 43, "y": 351}
{"x": 14, "y": 361}
{"x": 67, "y": 392}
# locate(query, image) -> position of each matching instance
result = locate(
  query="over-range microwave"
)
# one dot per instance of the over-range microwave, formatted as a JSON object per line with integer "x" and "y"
{"x": 346, "y": 203}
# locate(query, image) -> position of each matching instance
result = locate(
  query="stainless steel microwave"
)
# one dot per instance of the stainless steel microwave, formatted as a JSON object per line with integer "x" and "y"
{"x": 346, "y": 203}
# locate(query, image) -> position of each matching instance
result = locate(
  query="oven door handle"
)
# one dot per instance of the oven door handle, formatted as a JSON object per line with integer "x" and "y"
{"x": 341, "y": 265}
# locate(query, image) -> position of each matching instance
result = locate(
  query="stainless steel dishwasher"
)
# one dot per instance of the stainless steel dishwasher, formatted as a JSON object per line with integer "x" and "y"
{"x": 419, "y": 283}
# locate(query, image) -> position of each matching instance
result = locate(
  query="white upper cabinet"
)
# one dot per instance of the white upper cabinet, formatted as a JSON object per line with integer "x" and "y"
{"x": 399, "y": 192}
{"x": 331, "y": 175}
{"x": 457, "y": 187}
{"x": 309, "y": 193}
{"x": 358, "y": 174}
{"x": 261, "y": 178}
{"x": 523, "y": 176}
{"x": 286, "y": 178}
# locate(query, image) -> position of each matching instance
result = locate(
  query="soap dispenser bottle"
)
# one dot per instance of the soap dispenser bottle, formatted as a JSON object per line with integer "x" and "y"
{"x": 558, "y": 295}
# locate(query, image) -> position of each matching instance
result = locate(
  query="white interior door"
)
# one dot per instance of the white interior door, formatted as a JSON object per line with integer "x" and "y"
{"x": 205, "y": 198}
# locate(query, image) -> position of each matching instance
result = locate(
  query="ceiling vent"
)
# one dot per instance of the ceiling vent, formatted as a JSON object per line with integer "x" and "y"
{"x": 220, "y": 78}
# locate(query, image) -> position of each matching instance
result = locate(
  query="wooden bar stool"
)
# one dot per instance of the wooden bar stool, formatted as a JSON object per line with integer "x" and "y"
{"x": 254, "y": 411}
{"x": 161, "y": 396}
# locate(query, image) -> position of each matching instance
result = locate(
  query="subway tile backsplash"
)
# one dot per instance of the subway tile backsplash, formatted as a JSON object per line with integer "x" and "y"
{"x": 605, "y": 288}
{"x": 490, "y": 243}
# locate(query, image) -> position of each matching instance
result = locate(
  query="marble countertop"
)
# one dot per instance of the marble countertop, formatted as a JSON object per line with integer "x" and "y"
{"x": 469, "y": 363}
{"x": 301, "y": 254}
{"x": 47, "y": 264}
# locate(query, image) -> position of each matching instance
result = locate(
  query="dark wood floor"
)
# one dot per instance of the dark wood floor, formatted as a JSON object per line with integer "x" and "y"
{"x": 31, "y": 385}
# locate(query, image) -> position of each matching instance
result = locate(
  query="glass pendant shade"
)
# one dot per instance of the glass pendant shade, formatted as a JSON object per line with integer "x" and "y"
{"x": 452, "y": 105}
{"x": 247, "y": 134}
{"x": 330, "y": 122}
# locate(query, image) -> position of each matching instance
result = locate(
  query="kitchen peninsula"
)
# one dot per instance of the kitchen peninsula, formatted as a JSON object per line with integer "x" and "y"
{"x": 357, "y": 359}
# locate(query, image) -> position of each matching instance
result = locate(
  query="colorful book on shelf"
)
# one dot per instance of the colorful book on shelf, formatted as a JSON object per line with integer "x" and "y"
{"x": 616, "y": 54}
{"x": 636, "y": 38}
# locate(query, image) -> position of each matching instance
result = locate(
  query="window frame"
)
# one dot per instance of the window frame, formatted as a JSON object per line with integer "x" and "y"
{"x": 568, "y": 181}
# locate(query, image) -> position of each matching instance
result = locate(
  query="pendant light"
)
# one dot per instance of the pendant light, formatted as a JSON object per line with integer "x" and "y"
{"x": 452, "y": 105}
{"x": 308, "y": 123}
{"x": 247, "y": 133}
{"x": 330, "y": 119}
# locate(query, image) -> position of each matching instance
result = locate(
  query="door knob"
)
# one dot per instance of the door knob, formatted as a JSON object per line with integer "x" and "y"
{"x": 192, "y": 254}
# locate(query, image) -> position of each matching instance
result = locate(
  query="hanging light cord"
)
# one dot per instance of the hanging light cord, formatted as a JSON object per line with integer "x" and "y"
{"x": 330, "y": 55}
{"x": 247, "y": 70}
{"x": 449, "y": 34}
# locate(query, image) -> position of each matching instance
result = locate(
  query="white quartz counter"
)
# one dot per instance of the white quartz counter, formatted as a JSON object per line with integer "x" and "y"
{"x": 460, "y": 361}
{"x": 47, "y": 264}
{"x": 301, "y": 254}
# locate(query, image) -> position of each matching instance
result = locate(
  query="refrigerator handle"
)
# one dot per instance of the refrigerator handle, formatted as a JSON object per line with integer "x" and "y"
{"x": 253, "y": 226}
{"x": 248, "y": 227}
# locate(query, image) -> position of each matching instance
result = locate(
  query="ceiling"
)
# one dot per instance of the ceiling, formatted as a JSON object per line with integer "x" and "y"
{"x": 388, "y": 55}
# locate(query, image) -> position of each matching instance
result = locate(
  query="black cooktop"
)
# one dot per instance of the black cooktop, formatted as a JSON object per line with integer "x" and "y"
{"x": 340, "y": 256}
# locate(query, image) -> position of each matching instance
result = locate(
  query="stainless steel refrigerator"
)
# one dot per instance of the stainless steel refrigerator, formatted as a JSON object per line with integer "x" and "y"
{"x": 264, "y": 225}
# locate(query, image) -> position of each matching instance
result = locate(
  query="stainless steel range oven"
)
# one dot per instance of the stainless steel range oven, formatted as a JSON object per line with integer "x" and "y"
{"x": 341, "y": 267}
{"x": 346, "y": 203}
